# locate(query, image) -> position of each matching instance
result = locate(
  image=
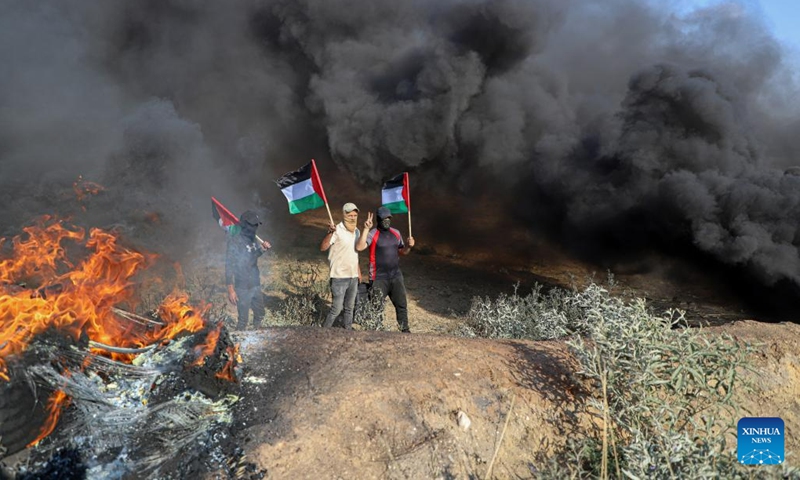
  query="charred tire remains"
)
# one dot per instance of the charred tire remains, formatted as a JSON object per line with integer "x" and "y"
{"x": 22, "y": 413}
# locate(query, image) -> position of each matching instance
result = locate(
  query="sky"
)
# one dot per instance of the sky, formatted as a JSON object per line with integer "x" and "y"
{"x": 783, "y": 16}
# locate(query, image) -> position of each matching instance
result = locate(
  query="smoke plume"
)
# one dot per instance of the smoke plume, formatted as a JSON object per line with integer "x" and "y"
{"x": 614, "y": 123}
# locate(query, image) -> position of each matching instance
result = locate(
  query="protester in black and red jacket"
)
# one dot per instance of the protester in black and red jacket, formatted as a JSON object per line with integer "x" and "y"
{"x": 385, "y": 246}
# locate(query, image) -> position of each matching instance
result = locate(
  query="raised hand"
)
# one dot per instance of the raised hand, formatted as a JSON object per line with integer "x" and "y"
{"x": 410, "y": 241}
{"x": 331, "y": 228}
{"x": 368, "y": 221}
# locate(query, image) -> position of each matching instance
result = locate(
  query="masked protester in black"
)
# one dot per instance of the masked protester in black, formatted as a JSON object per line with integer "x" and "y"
{"x": 385, "y": 246}
{"x": 241, "y": 269}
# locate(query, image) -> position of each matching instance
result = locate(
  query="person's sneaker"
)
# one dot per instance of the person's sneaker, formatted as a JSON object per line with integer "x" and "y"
{"x": 405, "y": 330}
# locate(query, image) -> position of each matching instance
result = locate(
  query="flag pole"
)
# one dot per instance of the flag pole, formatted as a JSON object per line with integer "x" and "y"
{"x": 315, "y": 174}
{"x": 408, "y": 186}
{"x": 329, "y": 212}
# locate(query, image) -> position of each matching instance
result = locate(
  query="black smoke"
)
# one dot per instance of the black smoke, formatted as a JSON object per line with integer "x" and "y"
{"x": 613, "y": 125}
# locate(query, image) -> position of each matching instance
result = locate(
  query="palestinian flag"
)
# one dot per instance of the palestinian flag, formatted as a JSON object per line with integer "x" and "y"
{"x": 222, "y": 215}
{"x": 303, "y": 188}
{"x": 395, "y": 196}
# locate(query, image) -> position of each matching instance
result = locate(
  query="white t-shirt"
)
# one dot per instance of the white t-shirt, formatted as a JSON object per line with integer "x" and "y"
{"x": 342, "y": 254}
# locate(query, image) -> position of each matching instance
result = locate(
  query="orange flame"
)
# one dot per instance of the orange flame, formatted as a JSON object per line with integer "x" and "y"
{"x": 41, "y": 288}
{"x": 206, "y": 349}
{"x": 233, "y": 358}
{"x": 57, "y": 401}
{"x": 77, "y": 301}
{"x": 180, "y": 317}
{"x": 80, "y": 301}
{"x": 84, "y": 188}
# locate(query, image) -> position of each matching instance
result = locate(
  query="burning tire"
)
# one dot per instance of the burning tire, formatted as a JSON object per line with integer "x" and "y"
{"x": 22, "y": 415}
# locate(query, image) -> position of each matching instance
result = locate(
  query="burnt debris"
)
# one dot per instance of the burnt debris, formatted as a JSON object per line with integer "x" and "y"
{"x": 167, "y": 413}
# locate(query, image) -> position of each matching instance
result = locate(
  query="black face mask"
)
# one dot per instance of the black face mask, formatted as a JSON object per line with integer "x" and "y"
{"x": 249, "y": 231}
{"x": 384, "y": 223}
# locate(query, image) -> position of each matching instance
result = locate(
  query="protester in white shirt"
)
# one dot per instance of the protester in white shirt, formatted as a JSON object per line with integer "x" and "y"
{"x": 340, "y": 242}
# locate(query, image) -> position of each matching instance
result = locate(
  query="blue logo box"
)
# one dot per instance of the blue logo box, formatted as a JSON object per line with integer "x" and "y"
{"x": 760, "y": 440}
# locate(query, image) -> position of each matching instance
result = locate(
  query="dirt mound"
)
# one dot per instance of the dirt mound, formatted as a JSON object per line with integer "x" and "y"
{"x": 334, "y": 404}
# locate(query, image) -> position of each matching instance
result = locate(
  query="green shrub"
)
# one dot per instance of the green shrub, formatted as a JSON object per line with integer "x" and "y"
{"x": 304, "y": 303}
{"x": 308, "y": 298}
{"x": 661, "y": 393}
{"x": 370, "y": 314}
{"x": 536, "y": 316}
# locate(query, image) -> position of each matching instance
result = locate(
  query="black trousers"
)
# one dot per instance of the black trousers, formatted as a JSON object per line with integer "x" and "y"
{"x": 250, "y": 299}
{"x": 395, "y": 288}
